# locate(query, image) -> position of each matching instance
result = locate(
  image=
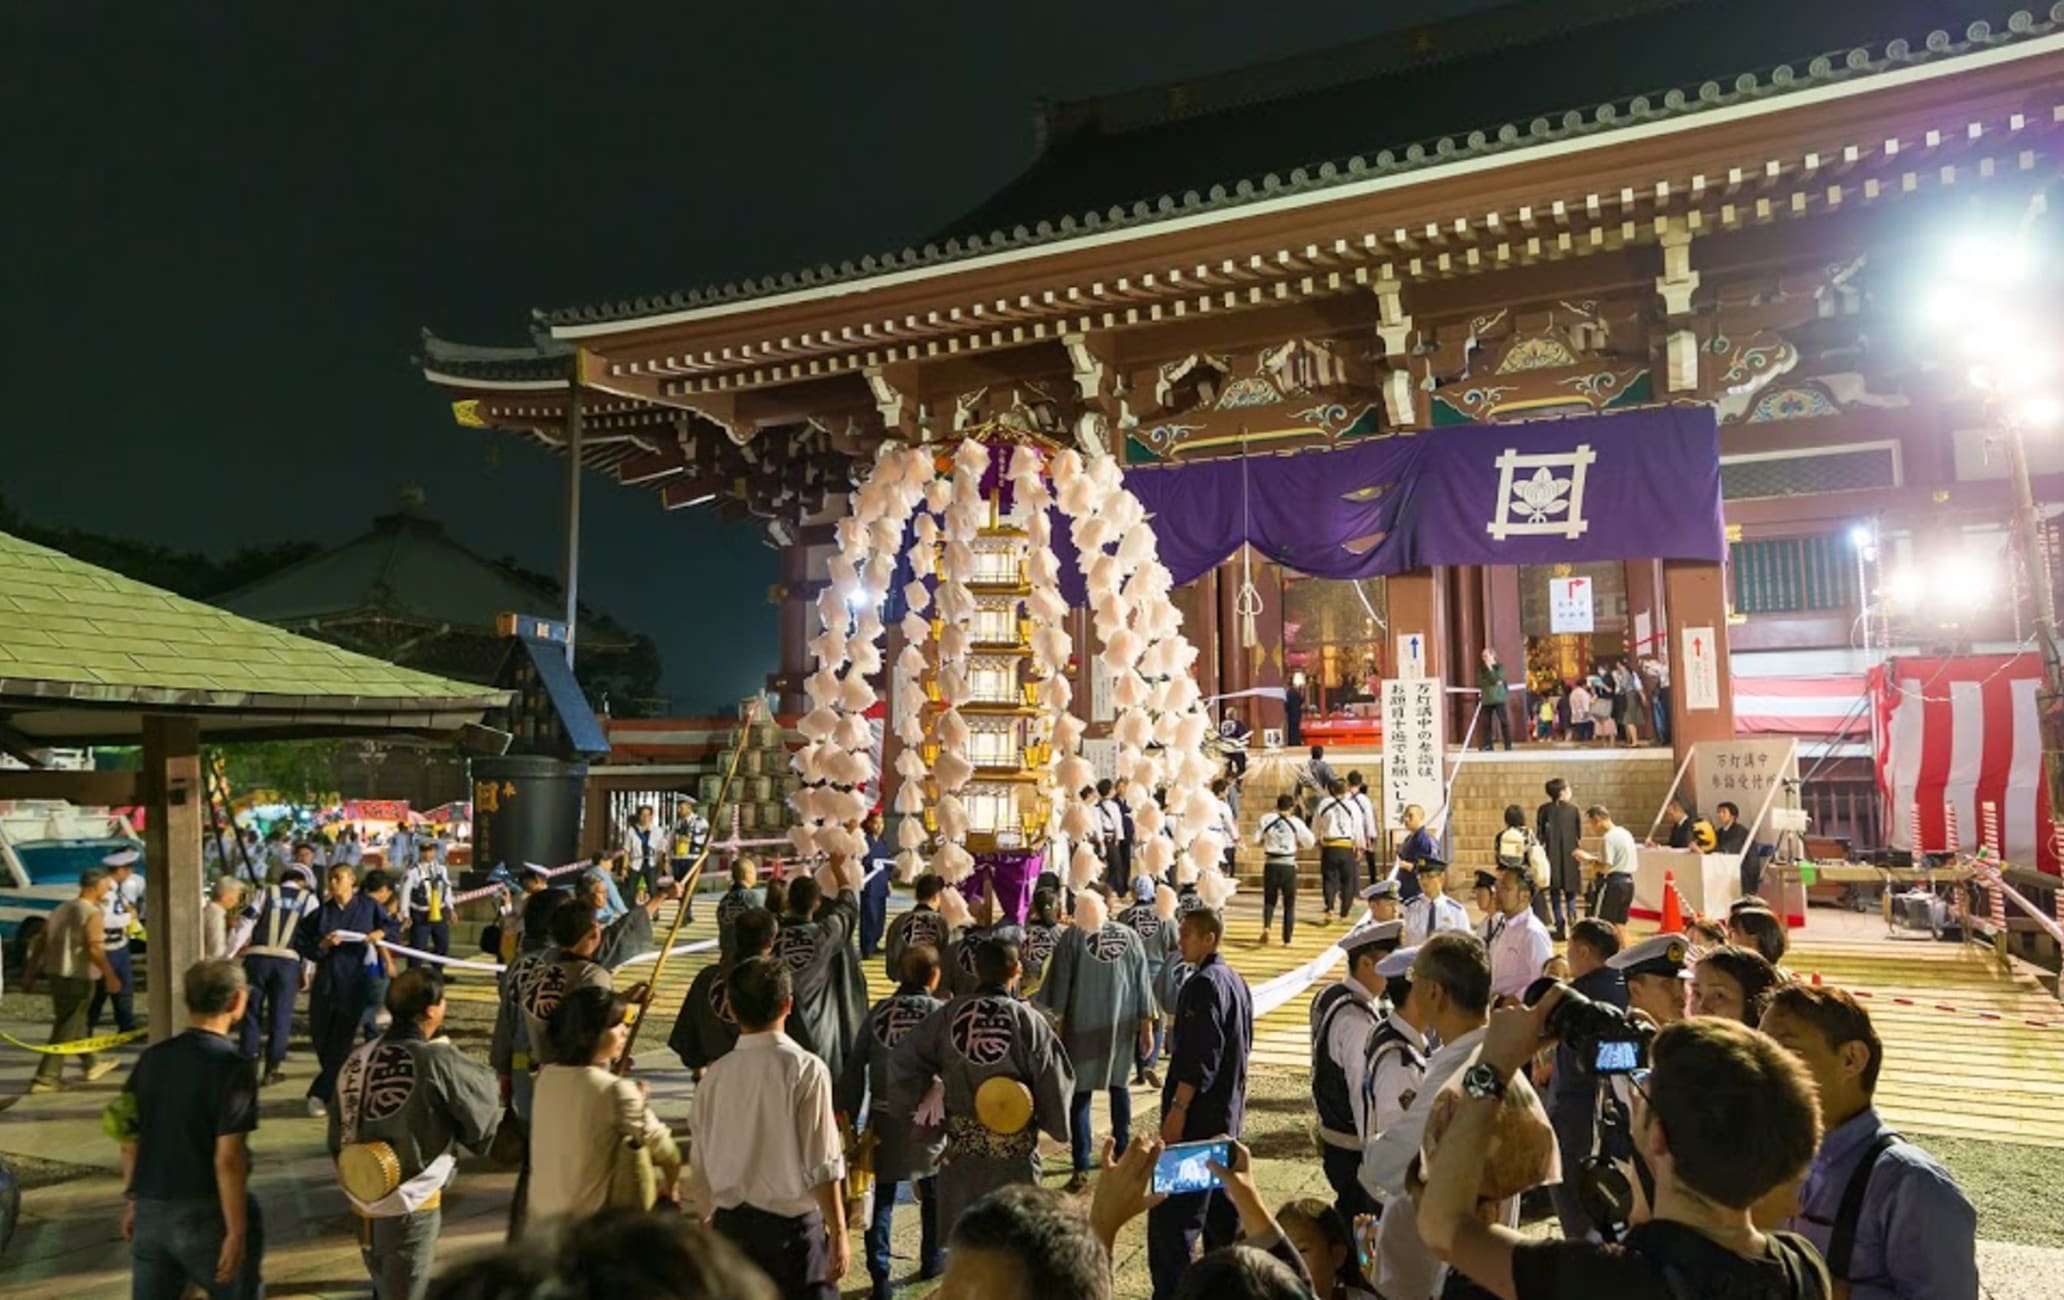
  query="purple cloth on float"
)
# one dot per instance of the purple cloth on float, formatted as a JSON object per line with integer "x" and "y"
{"x": 1011, "y": 877}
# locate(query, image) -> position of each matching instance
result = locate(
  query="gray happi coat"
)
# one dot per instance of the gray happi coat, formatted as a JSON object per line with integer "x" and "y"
{"x": 902, "y": 1150}
{"x": 538, "y": 996}
{"x": 1101, "y": 988}
{"x": 830, "y": 990}
{"x": 921, "y": 924}
{"x": 968, "y": 1041}
{"x": 418, "y": 1097}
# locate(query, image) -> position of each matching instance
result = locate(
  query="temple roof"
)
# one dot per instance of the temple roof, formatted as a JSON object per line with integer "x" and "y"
{"x": 405, "y": 569}
{"x": 84, "y": 649}
{"x": 545, "y": 361}
{"x": 1515, "y": 81}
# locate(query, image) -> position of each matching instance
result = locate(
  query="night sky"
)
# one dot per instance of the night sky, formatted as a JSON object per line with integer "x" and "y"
{"x": 223, "y": 225}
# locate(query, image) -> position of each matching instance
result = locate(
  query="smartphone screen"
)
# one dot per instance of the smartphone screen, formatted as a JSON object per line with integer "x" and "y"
{"x": 1182, "y": 1167}
{"x": 1617, "y": 1057}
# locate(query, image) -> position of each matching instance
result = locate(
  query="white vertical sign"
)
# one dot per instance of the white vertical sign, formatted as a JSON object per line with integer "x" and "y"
{"x": 1102, "y": 757}
{"x": 1701, "y": 676}
{"x": 1414, "y": 746}
{"x": 1569, "y": 605}
{"x": 1411, "y": 656}
{"x": 1644, "y": 634}
{"x": 1102, "y": 706}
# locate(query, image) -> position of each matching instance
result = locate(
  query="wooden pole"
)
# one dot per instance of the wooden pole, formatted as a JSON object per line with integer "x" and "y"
{"x": 173, "y": 794}
{"x": 688, "y": 884}
{"x": 571, "y": 565}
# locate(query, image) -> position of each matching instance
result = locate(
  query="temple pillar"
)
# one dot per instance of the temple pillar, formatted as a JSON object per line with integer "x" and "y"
{"x": 893, "y": 642}
{"x": 1504, "y": 633}
{"x": 794, "y": 629}
{"x": 1695, "y": 599}
{"x": 1417, "y": 608}
{"x": 1465, "y": 584}
{"x": 1206, "y": 633}
{"x": 173, "y": 885}
{"x": 1644, "y": 598}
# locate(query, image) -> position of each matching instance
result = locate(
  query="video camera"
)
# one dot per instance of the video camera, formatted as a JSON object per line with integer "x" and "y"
{"x": 1603, "y": 1039}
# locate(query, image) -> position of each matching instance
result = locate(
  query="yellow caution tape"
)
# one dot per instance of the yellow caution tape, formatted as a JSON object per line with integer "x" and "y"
{"x": 82, "y": 1047}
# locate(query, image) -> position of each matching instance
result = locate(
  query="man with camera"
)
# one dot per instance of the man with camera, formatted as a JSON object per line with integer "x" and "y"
{"x": 1573, "y": 1095}
{"x": 1722, "y": 1116}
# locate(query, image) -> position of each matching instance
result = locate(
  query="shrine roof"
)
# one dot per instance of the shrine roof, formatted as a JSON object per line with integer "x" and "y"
{"x": 1502, "y": 85}
{"x": 544, "y": 363}
{"x": 404, "y": 569}
{"x": 80, "y": 643}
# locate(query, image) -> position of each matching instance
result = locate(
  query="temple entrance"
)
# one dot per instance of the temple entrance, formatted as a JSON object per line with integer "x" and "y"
{"x": 1557, "y": 656}
{"x": 1334, "y": 632}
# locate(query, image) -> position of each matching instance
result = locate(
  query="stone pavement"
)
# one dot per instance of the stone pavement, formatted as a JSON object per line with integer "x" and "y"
{"x": 69, "y": 1243}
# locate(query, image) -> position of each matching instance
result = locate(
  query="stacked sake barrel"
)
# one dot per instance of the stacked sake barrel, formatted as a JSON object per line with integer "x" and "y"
{"x": 758, "y": 799}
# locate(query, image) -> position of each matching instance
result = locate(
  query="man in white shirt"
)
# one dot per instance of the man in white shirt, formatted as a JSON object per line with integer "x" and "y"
{"x": 1227, "y": 825}
{"x": 1451, "y": 976}
{"x": 767, "y": 1162}
{"x": 1338, "y": 824}
{"x": 1432, "y": 911}
{"x": 1520, "y": 944}
{"x": 1372, "y": 826}
{"x": 1616, "y": 892}
{"x": 1280, "y": 834}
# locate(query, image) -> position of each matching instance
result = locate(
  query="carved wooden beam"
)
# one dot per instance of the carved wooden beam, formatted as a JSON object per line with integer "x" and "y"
{"x": 1676, "y": 285}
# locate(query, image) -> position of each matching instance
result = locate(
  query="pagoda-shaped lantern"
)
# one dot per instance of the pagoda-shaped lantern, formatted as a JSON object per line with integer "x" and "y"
{"x": 1007, "y": 805}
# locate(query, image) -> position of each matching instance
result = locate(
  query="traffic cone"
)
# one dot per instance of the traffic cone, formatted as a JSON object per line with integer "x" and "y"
{"x": 1673, "y": 911}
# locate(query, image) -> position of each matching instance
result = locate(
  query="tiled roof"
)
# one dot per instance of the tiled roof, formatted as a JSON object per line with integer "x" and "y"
{"x": 1093, "y": 180}
{"x": 70, "y": 630}
{"x": 544, "y": 359}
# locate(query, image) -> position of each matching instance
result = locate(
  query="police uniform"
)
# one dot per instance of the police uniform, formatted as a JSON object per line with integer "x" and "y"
{"x": 691, "y": 836}
{"x": 1396, "y": 1061}
{"x": 425, "y": 904}
{"x": 1488, "y": 882}
{"x": 1427, "y": 915}
{"x": 117, "y": 918}
{"x": 421, "y": 1100}
{"x": 272, "y": 968}
{"x": 1386, "y": 935}
{"x": 1382, "y": 889}
{"x": 1340, "y": 1059}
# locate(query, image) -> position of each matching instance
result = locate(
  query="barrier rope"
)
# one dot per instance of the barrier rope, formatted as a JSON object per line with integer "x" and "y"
{"x": 77, "y": 1047}
{"x": 1861, "y": 995}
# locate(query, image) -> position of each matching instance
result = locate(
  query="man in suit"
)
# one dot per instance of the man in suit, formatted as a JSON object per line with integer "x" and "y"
{"x": 1559, "y": 826}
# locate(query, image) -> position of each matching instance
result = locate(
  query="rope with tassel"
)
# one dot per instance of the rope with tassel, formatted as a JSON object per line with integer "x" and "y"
{"x": 687, "y": 891}
{"x": 1247, "y": 604}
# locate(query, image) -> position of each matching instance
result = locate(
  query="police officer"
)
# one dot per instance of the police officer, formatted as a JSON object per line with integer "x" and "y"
{"x": 1382, "y": 900}
{"x": 1386, "y": 935}
{"x": 272, "y": 967}
{"x": 1432, "y": 911}
{"x": 1396, "y": 1063}
{"x": 405, "y": 1102}
{"x": 426, "y": 905}
{"x": 118, "y": 919}
{"x": 1340, "y": 1058}
{"x": 1656, "y": 970}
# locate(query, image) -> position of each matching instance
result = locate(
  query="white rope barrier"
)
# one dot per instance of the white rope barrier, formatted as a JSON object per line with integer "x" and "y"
{"x": 1273, "y": 993}
{"x": 463, "y": 963}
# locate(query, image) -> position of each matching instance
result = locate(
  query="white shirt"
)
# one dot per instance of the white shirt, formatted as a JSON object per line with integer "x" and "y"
{"x": 1520, "y": 946}
{"x": 1347, "y": 1042}
{"x": 1110, "y": 826}
{"x": 1619, "y": 851}
{"x": 1372, "y": 832}
{"x": 1280, "y": 834}
{"x": 764, "y": 1129}
{"x": 1426, "y": 915}
{"x": 1338, "y": 819}
{"x": 1405, "y": 1268}
{"x": 1397, "y": 1079}
{"x": 1228, "y": 825}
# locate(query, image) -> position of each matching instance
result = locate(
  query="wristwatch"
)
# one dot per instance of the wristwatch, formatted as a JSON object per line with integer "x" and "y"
{"x": 1481, "y": 1081}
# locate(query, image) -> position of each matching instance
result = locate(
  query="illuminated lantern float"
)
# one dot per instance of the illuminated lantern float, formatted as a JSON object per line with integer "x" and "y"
{"x": 979, "y": 695}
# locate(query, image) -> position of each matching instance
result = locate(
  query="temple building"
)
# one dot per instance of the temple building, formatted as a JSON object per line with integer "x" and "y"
{"x": 1593, "y": 211}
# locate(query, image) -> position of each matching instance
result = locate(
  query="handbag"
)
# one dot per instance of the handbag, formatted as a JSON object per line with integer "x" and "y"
{"x": 633, "y": 1181}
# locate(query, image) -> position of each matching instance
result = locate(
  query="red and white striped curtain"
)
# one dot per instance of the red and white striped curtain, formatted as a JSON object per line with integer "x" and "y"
{"x": 1959, "y": 732}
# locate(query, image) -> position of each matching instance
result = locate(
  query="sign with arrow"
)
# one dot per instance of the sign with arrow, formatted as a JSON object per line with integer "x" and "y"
{"x": 1569, "y": 606}
{"x": 1411, "y": 656}
{"x": 1701, "y": 676}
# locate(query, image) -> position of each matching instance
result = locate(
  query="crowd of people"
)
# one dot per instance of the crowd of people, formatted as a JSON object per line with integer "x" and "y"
{"x": 1695, "y": 1123}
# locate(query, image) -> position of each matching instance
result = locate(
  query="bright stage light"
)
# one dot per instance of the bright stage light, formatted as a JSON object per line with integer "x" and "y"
{"x": 2041, "y": 411}
{"x": 1859, "y": 536}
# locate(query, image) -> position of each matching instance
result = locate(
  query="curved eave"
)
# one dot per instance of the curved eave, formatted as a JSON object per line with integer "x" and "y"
{"x": 445, "y": 379}
{"x": 1483, "y": 153}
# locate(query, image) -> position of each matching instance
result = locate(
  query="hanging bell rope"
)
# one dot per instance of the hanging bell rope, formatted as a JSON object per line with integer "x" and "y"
{"x": 1247, "y": 605}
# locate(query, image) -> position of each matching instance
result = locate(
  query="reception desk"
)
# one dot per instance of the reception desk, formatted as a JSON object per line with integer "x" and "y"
{"x": 1708, "y": 881}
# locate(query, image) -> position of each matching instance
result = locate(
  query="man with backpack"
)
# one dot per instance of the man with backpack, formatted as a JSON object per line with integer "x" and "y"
{"x": 1338, "y": 824}
{"x": 1280, "y": 835}
{"x": 1724, "y": 1116}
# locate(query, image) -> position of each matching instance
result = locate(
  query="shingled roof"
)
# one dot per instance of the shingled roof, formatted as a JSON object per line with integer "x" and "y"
{"x": 544, "y": 360}
{"x": 75, "y": 636}
{"x": 1597, "y": 67}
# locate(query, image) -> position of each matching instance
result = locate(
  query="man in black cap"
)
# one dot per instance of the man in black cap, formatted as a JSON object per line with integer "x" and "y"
{"x": 1340, "y": 1060}
{"x": 1483, "y": 892}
